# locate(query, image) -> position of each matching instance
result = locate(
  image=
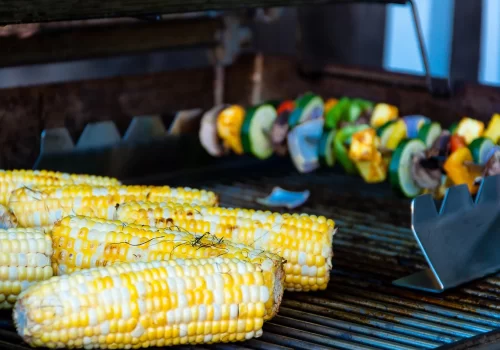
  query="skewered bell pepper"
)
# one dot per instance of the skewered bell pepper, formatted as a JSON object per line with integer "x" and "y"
{"x": 330, "y": 103}
{"x": 341, "y": 151}
{"x": 366, "y": 156}
{"x": 382, "y": 113}
{"x": 363, "y": 145}
{"x": 335, "y": 113}
{"x": 229, "y": 123}
{"x": 470, "y": 129}
{"x": 493, "y": 131}
{"x": 457, "y": 142}
{"x": 457, "y": 170}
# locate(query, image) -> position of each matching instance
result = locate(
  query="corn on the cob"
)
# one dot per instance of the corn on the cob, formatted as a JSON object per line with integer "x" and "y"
{"x": 304, "y": 241}
{"x": 133, "y": 305}
{"x": 44, "y": 205}
{"x": 81, "y": 243}
{"x": 14, "y": 179}
{"x": 24, "y": 259}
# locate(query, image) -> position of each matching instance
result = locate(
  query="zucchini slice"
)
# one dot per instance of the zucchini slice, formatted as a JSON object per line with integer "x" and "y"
{"x": 480, "y": 149}
{"x": 256, "y": 131}
{"x": 308, "y": 107}
{"x": 325, "y": 149}
{"x": 429, "y": 133}
{"x": 400, "y": 174}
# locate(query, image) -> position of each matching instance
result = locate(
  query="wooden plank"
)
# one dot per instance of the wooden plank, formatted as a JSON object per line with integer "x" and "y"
{"x": 466, "y": 44}
{"x": 23, "y": 11}
{"x": 52, "y": 45}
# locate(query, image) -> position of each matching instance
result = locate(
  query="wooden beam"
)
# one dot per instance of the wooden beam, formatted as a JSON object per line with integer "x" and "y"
{"x": 52, "y": 45}
{"x": 23, "y": 11}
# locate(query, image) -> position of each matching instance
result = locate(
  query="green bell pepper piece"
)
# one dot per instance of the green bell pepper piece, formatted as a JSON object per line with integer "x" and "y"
{"x": 341, "y": 151}
{"x": 357, "y": 107}
{"x": 336, "y": 113}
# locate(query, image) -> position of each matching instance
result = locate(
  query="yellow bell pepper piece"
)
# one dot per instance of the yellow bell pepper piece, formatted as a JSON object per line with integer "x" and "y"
{"x": 470, "y": 129}
{"x": 398, "y": 134}
{"x": 373, "y": 171}
{"x": 364, "y": 145}
{"x": 382, "y": 113}
{"x": 458, "y": 172}
{"x": 229, "y": 123}
{"x": 366, "y": 156}
{"x": 493, "y": 131}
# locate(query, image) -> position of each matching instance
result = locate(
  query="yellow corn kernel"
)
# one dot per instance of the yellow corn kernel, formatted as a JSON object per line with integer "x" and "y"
{"x": 304, "y": 241}
{"x": 62, "y": 298}
{"x": 24, "y": 260}
{"x": 44, "y": 205}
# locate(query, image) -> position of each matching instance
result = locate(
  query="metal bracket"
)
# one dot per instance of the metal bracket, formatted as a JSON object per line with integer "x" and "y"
{"x": 460, "y": 243}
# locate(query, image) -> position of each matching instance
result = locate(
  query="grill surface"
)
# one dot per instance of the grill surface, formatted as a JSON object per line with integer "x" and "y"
{"x": 360, "y": 309}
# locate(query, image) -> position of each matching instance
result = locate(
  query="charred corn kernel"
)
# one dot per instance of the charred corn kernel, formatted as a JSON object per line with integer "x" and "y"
{"x": 82, "y": 243}
{"x": 470, "y": 129}
{"x": 14, "y": 179}
{"x": 24, "y": 259}
{"x": 382, "y": 113}
{"x": 44, "y": 205}
{"x": 304, "y": 241}
{"x": 63, "y": 298}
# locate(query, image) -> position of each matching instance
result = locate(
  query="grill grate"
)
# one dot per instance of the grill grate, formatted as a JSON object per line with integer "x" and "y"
{"x": 361, "y": 309}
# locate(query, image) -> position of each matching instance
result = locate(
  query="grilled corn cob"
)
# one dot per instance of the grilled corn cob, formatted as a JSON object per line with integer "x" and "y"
{"x": 140, "y": 304}
{"x": 43, "y": 206}
{"x": 81, "y": 243}
{"x": 24, "y": 259}
{"x": 304, "y": 241}
{"x": 14, "y": 179}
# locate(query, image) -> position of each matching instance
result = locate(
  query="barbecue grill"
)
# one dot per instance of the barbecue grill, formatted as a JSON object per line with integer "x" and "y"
{"x": 361, "y": 309}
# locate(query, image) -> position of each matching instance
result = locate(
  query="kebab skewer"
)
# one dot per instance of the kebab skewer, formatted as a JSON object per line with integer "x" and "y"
{"x": 416, "y": 154}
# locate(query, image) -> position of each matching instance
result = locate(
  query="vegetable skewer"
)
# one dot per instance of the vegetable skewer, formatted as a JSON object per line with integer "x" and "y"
{"x": 347, "y": 126}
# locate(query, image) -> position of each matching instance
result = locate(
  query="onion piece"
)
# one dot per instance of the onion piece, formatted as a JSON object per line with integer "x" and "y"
{"x": 303, "y": 143}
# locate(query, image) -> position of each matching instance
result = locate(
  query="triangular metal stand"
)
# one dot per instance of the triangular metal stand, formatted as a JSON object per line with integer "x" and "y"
{"x": 461, "y": 243}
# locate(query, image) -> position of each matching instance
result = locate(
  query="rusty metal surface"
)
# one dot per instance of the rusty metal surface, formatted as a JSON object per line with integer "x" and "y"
{"x": 361, "y": 309}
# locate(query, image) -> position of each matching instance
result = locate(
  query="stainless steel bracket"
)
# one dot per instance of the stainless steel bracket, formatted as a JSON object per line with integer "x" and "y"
{"x": 461, "y": 242}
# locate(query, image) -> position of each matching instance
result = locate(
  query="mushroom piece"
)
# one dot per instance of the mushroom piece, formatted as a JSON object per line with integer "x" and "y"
{"x": 426, "y": 171}
{"x": 208, "y": 135}
{"x": 279, "y": 133}
{"x": 492, "y": 167}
